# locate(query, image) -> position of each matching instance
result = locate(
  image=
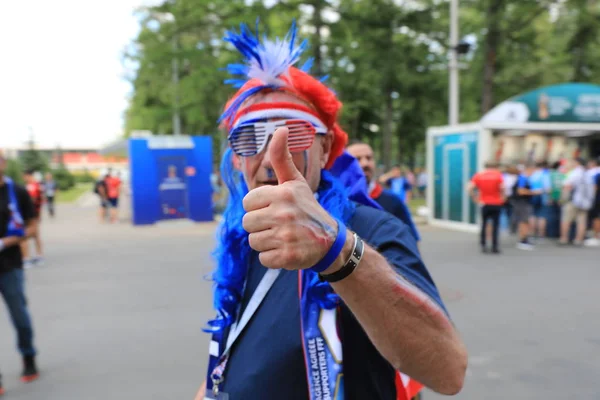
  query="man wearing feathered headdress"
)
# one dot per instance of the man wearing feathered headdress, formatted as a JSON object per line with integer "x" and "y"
{"x": 317, "y": 297}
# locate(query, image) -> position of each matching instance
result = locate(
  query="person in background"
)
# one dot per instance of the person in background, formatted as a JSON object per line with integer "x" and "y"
{"x": 17, "y": 222}
{"x": 398, "y": 183}
{"x": 578, "y": 196}
{"x": 50, "y": 189}
{"x": 594, "y": 172}
{"x": 113, "y": 190}
{"x": 216, "y": 185}
{"x": 523, "y": 208}
{"x": 387, "y": 200}
{"x": 422, "y": 182}
{"x": 489, "y": 185}
{"x": 557, "y": 178}
{"x": 408, "y": 173}
{"x": 34, "y": 188}
{"x": 510, "y": 176}
{"x": 101, "y": 191}
{"x": 540, "y": 181}
{"x": 594, "y": 166}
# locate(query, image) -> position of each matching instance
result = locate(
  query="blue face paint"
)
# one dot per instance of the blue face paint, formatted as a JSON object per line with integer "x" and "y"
{"x": 270, "y": 173}
{"x": 305, "y": 155}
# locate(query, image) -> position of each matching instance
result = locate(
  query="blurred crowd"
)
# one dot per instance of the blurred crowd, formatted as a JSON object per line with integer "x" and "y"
{"x": 538, "y": 201}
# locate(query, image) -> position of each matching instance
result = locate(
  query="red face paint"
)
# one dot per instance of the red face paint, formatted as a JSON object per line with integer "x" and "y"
{"x": 319, "y": 232}
{"x": 411, "y": 294}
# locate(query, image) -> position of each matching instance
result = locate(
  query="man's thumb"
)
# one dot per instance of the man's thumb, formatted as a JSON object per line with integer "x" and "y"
{"x": 281, "y": 158}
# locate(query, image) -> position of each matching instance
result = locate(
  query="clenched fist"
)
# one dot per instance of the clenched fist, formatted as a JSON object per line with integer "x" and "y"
{"x": 287, "y": 226}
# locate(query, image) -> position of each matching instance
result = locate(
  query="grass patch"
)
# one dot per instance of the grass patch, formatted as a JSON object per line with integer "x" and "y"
{"x": 73, "y": 194}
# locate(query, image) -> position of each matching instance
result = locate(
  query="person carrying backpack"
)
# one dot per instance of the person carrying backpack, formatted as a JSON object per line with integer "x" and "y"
{"x": 17, "y": 222}
{"x": 578, "y": 199}
{"x": 523, "y": 193}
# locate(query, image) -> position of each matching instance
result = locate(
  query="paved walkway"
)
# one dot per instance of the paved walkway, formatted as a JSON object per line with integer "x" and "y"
{"x": 118, "y": 313}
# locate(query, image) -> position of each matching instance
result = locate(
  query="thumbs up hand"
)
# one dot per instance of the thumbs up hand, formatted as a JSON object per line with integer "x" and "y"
{"x": 286, "y": 224}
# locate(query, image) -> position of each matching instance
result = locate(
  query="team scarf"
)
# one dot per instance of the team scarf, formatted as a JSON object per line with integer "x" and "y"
{"x": 269, "y": 67}
{"x": 16, "y": 225}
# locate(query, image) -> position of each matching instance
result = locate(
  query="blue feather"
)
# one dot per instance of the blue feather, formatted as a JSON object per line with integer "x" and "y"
{"x": 308, "y": 64}
{"x": 293, "y": 31}
{"x": 236, "y": 83}
{"x": 266, "y": 61}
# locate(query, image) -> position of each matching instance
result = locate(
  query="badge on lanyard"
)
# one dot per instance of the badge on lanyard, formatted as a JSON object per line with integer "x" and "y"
{"x": 218, "y": 396}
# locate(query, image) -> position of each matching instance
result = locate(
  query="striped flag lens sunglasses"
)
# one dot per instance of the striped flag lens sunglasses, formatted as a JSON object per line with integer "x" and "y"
{"x": 249, "y": 139}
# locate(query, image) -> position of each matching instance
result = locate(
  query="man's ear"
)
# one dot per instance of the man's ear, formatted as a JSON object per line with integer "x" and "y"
{"x": 326, "y": 143}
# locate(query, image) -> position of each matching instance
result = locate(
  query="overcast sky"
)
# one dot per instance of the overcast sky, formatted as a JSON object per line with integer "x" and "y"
{"x": 61, "y": 71}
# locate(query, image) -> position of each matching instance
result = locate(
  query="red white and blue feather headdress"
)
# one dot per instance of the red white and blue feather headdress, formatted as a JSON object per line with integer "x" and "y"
{"x": 269, "y": 65}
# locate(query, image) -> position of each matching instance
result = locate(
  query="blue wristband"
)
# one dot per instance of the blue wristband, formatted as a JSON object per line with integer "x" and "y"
{"x": 334, "y": 251}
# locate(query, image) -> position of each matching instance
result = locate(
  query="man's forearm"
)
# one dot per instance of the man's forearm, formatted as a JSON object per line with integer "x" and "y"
{"x": 407, "y": 327}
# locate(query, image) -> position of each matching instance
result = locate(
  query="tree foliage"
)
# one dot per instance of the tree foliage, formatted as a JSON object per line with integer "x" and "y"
{"x": 387, "y": 60}
{"x": 33, "y": 160}
{"x": 65, "y": 180}
{"x": 14, "y": 170}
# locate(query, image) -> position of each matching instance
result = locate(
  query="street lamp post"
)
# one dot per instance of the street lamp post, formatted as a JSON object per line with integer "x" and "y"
{"x": 453, "y": 101}
{"x": 163, "y": 18}
{"x": 175, "y": 81}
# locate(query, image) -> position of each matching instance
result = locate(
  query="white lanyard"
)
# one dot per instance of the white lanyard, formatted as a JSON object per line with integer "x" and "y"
{"x": 266, "y": 283}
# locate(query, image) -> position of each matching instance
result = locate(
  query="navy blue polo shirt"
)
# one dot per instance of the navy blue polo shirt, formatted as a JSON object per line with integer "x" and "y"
{"x": 267, "y": 360}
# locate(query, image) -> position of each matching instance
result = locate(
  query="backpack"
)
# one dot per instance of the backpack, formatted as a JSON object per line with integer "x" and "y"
{"x": 97, "y": 186}
{"x": 584, "y": 194}
{"x": 16, "y": 224}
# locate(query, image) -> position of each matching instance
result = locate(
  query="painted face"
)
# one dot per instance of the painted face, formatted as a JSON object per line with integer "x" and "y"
{"x": 309, "y": 159}
{"x": 364, "y": 155}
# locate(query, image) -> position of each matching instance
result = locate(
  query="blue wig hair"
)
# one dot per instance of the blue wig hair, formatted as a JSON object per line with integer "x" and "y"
{"x": 233, "y": 250}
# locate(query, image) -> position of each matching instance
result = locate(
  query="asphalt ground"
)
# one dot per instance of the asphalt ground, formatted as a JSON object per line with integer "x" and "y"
{"x": 118, "y": 313}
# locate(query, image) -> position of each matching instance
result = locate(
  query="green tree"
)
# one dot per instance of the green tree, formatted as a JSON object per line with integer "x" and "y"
{"x": 33, "y": 160}
{"x": 14, "y": 170}
{"x": 386, "y": 59}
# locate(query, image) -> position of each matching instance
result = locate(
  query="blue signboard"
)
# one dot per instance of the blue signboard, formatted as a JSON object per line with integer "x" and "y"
{"x": 172, "y": 187}
{"x": 170, "y": 178}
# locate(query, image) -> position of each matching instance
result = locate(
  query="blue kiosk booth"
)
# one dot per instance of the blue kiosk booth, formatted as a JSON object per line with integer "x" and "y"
{"x": 170, "y": 178}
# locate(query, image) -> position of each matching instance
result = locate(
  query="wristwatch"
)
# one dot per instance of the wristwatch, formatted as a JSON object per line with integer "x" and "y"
{"x": 350, "y": 265}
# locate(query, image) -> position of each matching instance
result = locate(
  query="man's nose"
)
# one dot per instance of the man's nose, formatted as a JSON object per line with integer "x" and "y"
{"x": 266, "y": 158}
